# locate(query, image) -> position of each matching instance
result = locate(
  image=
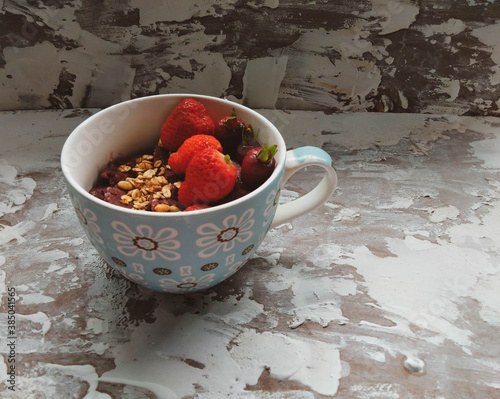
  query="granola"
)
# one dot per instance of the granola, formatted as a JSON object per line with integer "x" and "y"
{"x": 142, "y": 182}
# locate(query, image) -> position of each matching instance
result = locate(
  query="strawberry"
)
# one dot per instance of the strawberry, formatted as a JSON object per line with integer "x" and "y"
{"x": 248, "y": 141}
{"x": 210, "y": 176}
{"x": 196, "y": 207}
{"x": 179, "y": 160}
{"x": 228, "y": 131}
{"x": 257, "y": 166}
{"x": 238, "y": 190}
{"x": 187, "y": 119}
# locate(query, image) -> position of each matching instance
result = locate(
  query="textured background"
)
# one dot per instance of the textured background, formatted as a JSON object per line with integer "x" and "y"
{"x": 333, "y": 56}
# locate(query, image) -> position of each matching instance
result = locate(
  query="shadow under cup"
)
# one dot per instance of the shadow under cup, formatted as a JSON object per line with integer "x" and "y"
{"x": 181, "y": 251}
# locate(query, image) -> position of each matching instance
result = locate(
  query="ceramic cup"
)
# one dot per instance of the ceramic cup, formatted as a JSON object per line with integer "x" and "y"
{"x": 184, "y": 251}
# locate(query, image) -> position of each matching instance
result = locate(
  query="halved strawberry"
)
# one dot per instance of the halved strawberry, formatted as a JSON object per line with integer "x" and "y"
{"x": 210, "y": 176}
{"x": 179, "y": 160}
{"x": 189, "y": 118}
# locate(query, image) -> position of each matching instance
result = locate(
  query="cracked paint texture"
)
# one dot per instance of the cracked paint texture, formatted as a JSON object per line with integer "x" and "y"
{"x": 372, "y": 55}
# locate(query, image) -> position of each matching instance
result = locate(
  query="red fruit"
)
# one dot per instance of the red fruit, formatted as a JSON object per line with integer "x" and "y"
{"x": 257, "y": 166}
{"x": 210, "y": 176}
{"x": 239, "y": 189}
{"x": 187, "y": 119}
{"x": 229, "y": 132}
{"x": 179, "y": 160}
{"x": 196, "y": 207}
{"x": 248, "y": 141}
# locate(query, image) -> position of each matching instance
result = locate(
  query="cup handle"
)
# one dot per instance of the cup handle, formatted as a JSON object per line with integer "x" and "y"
{"x": 295, "y": 160}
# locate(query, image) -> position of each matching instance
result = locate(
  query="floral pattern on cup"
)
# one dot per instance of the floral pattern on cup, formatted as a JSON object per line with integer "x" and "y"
{"x": 146, "y": 242}
{"x": 188, "y": 282}
{"x": 138, "y": 268}
{"x": 214, "y": 238}
{"x": 233, "y": 269}
{"x": 136, "y": 278}
{"x": 118, "y": 261}
{"x": 271, "y": 202}
{"x": 88, "y": 219}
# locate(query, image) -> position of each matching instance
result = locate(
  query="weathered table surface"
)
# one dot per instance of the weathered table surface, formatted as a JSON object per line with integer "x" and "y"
{"x": 390, "y": 290}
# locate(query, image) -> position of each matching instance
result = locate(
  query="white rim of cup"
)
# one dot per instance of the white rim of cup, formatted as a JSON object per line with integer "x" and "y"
{"x": 72, "y": 137}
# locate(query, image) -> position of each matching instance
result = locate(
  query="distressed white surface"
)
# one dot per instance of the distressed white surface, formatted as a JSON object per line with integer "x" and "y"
{"x": 343, "y": 55}
{"x": 386, "y": 291}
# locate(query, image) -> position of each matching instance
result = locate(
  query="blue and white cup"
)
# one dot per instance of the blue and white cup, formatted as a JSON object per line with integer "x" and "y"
{"x": 180, "y": 252}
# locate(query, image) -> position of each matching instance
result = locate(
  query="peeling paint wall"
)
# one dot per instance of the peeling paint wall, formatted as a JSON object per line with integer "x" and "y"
{"x": 334, "y": 56}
